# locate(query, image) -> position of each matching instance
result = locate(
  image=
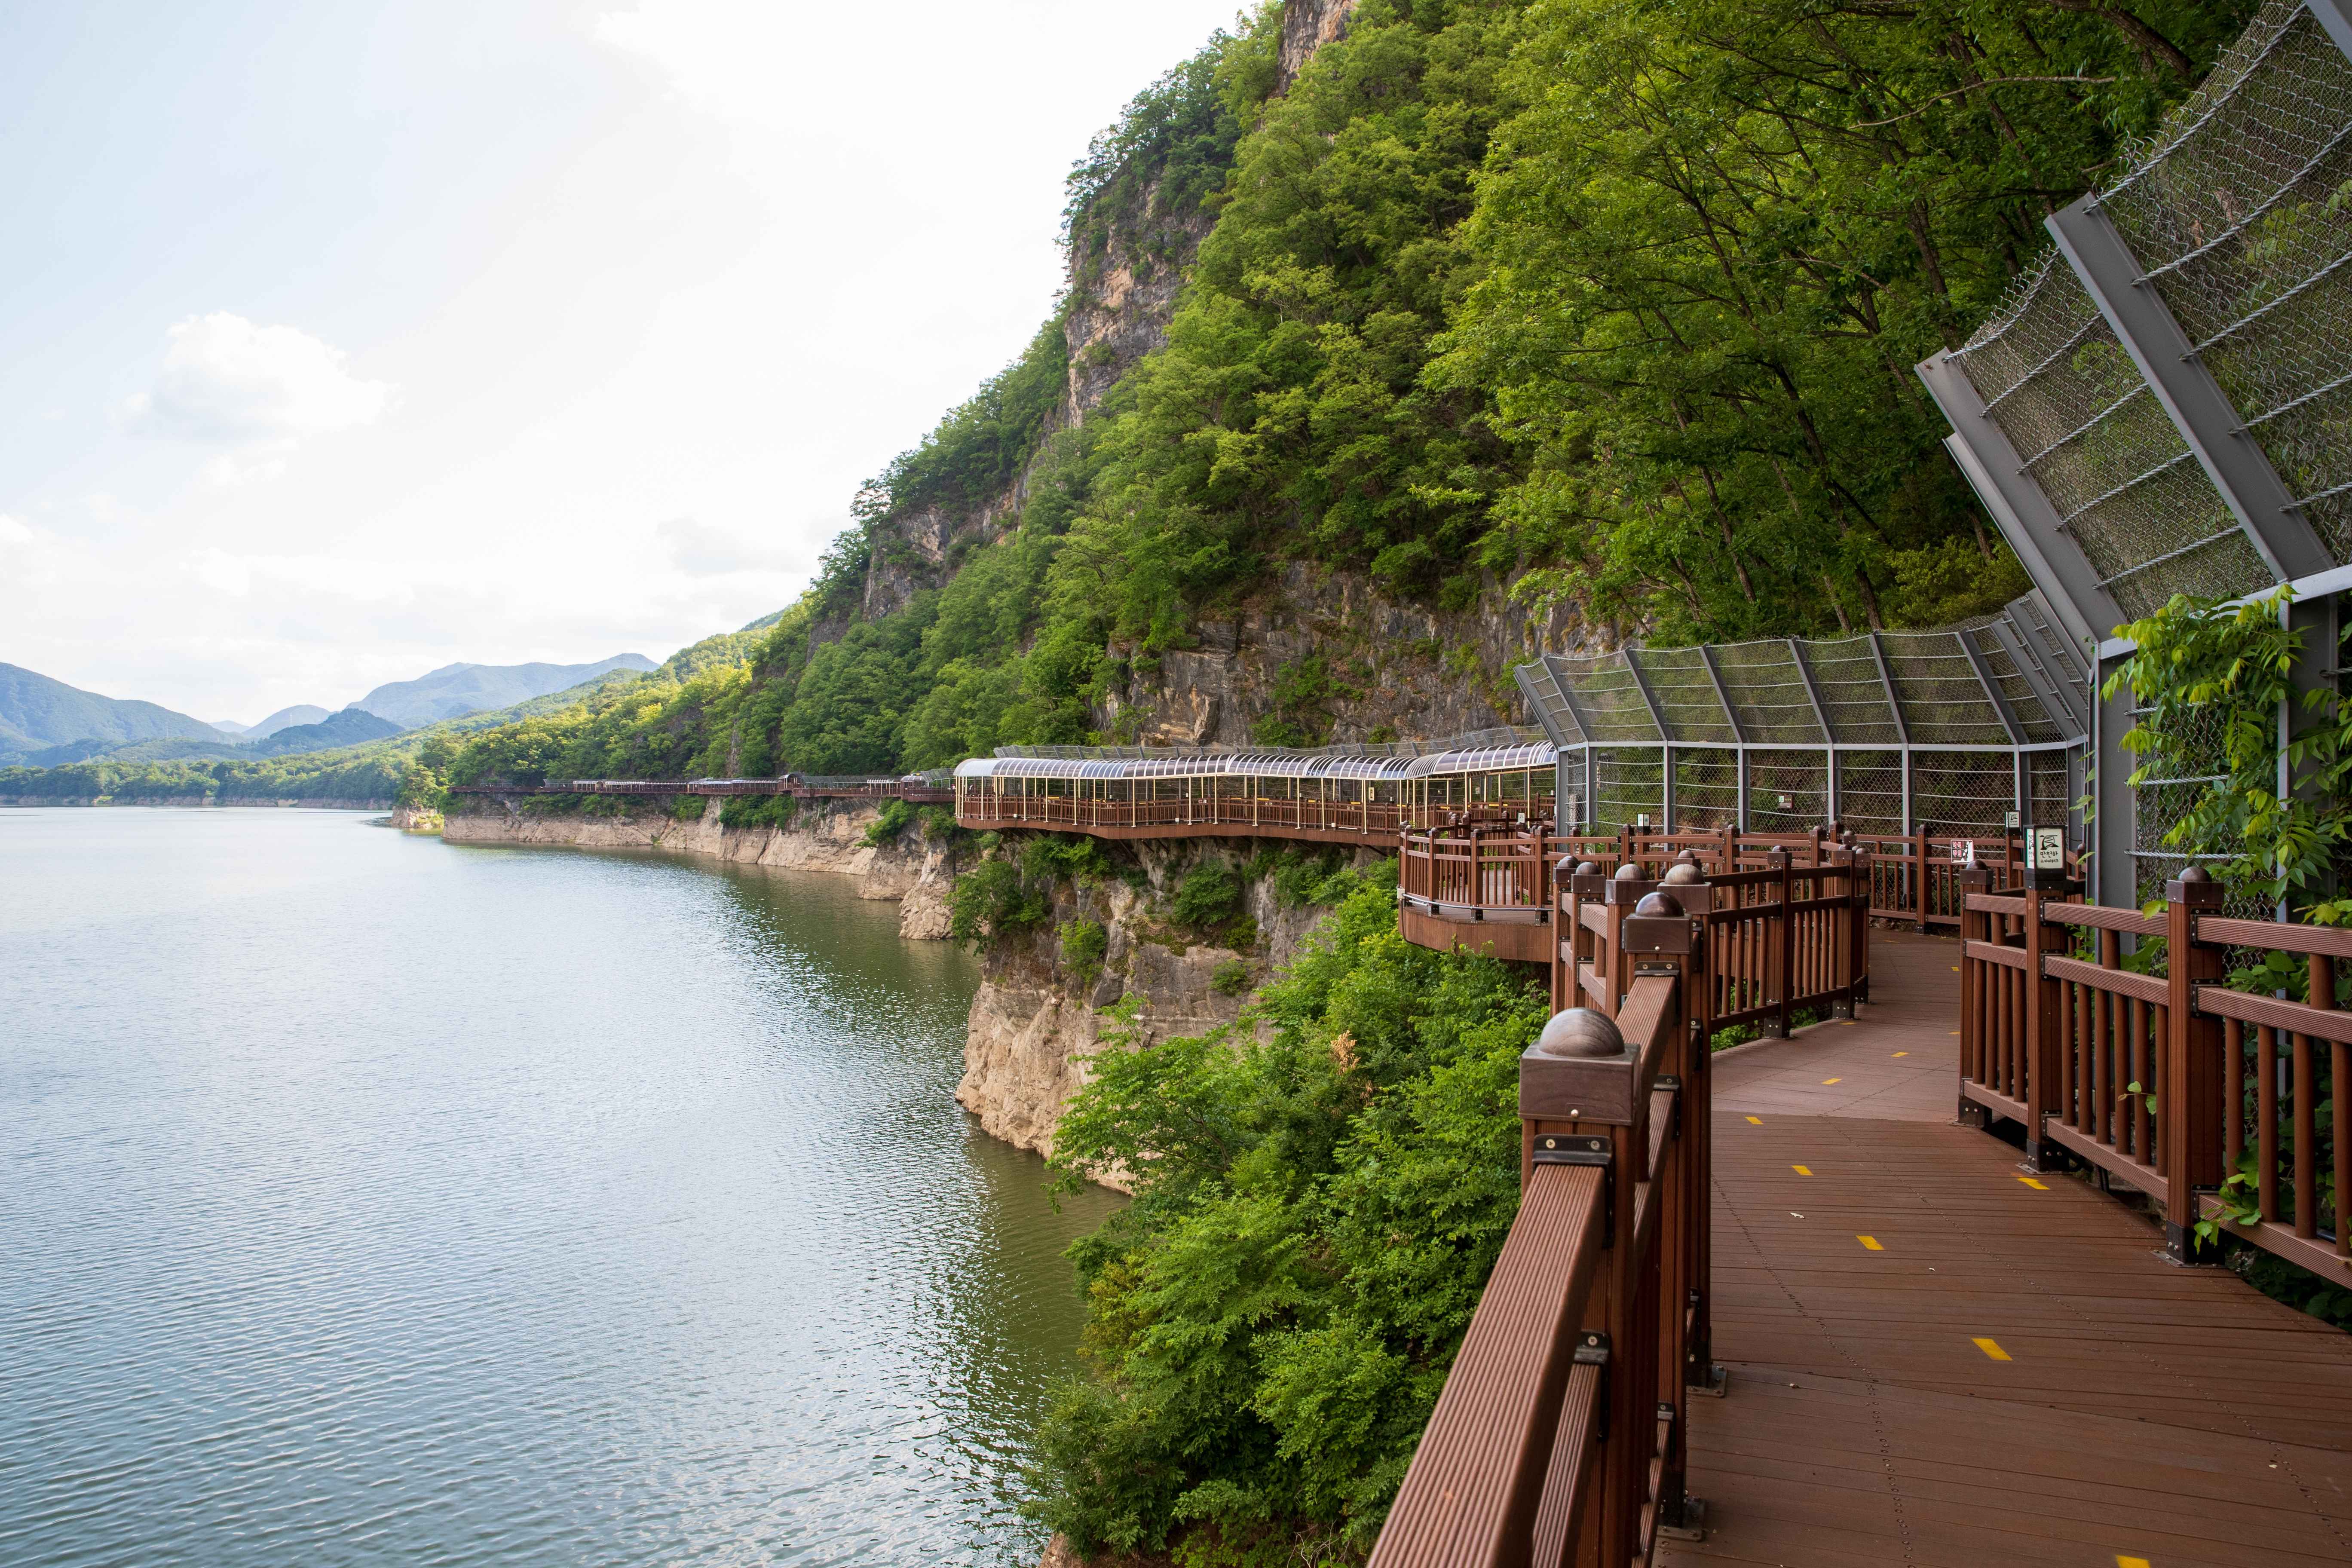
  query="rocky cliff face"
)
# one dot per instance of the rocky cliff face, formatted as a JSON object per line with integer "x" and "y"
{"x": 1307, "y": 27}
{"x": 1035, "y": 1020}
{"x": 1327, "y": 657}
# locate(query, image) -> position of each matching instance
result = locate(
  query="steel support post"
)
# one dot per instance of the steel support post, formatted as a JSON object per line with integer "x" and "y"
{"x": 2115, "y": 873}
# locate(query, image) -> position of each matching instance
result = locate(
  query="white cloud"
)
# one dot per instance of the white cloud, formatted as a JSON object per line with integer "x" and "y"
{"x": 698, "y": 550}
{"x": 229, "y": 381}
{"x": 29, "y": 558}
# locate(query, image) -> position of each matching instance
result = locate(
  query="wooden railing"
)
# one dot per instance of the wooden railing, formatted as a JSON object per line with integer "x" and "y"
{"x": 2205, "y": 1097}
{"x": 1780, "y": 938}
{"x": 1491, "y": 871}
{"x": 1561, "y": 1433}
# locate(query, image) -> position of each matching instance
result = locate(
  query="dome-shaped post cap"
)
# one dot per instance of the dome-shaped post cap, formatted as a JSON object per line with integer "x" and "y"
{"x": 1630, "y": 872}
{"x": 1683, "y": 874}
{"x": 1587, "y": 868}
{"x": 1659, "y": 906}
{"x": 1579, "y": 1034}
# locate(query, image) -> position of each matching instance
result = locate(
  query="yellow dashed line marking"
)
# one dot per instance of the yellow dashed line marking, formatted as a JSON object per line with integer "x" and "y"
{"x": 1871, "y": 1242}
{"x": 2124, "y": 1561}
{"x": 1903, "y": 1053}
{"x": 1801, "y": 1169}
{"x": 1757, "y": 1120}
{"x": 1955, "y": 969}
{"x": 1827, "y": 1081}
{"x": 2029, "y": 1182}
{"x": 1991, "y": 1349}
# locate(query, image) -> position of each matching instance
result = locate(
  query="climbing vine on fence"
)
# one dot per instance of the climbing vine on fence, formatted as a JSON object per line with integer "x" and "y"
{"x": 2212, "y": 680}
{"x": 2207, "y": 669}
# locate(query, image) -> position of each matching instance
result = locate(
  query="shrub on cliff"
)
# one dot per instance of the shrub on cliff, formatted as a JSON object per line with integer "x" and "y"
{"x": 993, "y": 899}
{"x": 1271, "y": 1319}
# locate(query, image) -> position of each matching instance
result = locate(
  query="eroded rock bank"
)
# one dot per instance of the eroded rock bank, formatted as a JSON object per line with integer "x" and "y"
{"x": 1043, "y": 1004}
{"x": 820, "y": 837}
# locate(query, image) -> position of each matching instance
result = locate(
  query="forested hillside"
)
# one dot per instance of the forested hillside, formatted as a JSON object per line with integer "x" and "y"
{"x": 1500, "y": 325}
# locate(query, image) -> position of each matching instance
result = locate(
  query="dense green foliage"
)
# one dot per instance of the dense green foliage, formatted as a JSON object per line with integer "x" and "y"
{"x": 1716, "y": 236}
{"x": 1271, "y": 1319}
{"x": 2210, "y": 679}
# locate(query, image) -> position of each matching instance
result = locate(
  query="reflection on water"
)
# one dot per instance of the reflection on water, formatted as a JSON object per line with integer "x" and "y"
{"x": 368, "y": 1200}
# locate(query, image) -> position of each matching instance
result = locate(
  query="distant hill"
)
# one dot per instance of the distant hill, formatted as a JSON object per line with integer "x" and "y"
{"x": 352, "y": 727}
{"x": 456, "y": 689}
{"x": 38, "y": 714}
{"x": 301, "y": 713}
{"x": 349, "y": 728}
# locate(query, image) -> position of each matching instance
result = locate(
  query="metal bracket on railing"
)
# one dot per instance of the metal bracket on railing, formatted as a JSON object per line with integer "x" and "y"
{"x": 1592, "y": 1350}
{"x": 1578, "y": 1149}
{"x": 1674, "y": 1085}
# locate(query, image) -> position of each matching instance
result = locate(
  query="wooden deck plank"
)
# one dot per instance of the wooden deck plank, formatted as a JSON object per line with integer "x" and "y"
{"x": 2146, "y": 1410}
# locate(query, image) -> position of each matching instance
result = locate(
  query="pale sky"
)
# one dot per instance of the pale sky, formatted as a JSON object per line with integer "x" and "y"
{"x": 341, "y": 342}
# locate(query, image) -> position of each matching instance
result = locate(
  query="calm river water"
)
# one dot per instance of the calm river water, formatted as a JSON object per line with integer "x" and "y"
{"x": 365, "y": 1199}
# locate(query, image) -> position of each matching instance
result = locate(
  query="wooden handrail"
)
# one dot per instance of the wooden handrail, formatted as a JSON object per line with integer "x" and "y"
{"x": 1561, "y": 1433}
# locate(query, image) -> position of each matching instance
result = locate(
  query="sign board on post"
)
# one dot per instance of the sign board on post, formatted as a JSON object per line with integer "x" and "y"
{"x": 2045, "y": 850}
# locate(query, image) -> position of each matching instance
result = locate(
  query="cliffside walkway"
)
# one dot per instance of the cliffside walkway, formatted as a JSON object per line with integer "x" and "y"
{"x": 1936, "y": 1357}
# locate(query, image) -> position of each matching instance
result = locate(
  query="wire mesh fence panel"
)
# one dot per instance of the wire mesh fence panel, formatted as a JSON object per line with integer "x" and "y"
{"x": 2095, "y": 438}
{"x": 1788, "y": 791}
{"x": 2236, "y": 213}
{"x": 1574, "y": 793}
{"x": 1607, "y": 699}
{"x": 1963, "y": 791}
{"x": 1768, "y": 693}
{"x": 1706, "y": 788}
{"x": 2023, "y": 694}
{"x": 1853, "y": 695}
{"x": 2192, "y": 761}
{"x": 1628, "y": 787}
{"x": 1548, "y": 704}
{"x": 1870, "y": 792}
{"x": 2050, "y": 785}
{"x": 1685, "y": 693}
{"x": 1945, "y": 701}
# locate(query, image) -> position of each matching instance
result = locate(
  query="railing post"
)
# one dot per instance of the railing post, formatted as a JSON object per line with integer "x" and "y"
{"x": 1919, "y": 878}
{"x": 1975, "y": 926}
{"x": 2043, "y": 1039}
{"x": 2189, "y": 1097}
{"x": 1868, "y": 862}
{"x": 1696, "y": 1159}
{"x": 1626, "y": 889}
{"x": 1784, "y": 940}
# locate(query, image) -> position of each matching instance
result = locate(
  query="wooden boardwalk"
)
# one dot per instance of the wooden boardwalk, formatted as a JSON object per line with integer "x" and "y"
{"x": 1936, "y": 1359}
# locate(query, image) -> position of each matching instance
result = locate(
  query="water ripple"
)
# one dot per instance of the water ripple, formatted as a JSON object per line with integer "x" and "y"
{"x": 370, "y": 1200}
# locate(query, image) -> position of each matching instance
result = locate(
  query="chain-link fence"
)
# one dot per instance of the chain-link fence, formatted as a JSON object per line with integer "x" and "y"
{"x": 1951, "y": 710}
{"x": 2239, "y": 213}
{"x": 2096, "y": 439}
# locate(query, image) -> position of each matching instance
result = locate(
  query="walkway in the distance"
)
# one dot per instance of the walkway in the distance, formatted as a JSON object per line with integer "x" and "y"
{"x": 1937, "y": 1360}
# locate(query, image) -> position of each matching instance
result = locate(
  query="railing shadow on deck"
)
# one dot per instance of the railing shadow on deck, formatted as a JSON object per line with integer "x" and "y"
{"x": 2153, "y": 1070}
